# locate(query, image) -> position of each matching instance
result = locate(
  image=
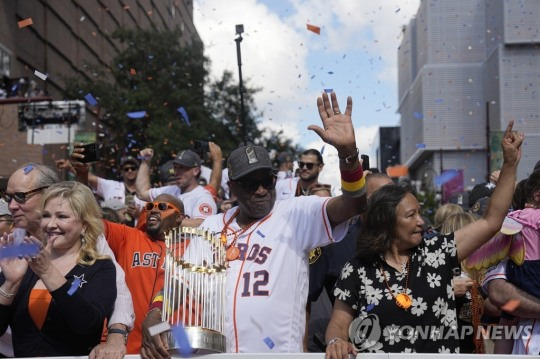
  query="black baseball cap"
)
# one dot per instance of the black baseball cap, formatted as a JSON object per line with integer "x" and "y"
{"x": 480, "y": 191}
{"x": 166, "y": 172}
{"x": 188, "y": 158}
{"x": 247, "y": 159}
{"x": 129, "y": 159}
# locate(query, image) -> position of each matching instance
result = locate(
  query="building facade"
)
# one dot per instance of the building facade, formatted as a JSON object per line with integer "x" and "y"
{"x": 65, "y": 38}
{"x": 466, "y": 68}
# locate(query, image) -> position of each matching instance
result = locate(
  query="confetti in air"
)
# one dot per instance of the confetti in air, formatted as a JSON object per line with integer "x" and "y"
{"x": 40, "y": 75}
{"x": 25, "y": 23}
{"x": 182, "y": 340}
{"x": 183, "y": 113}
{"x": 445, "y": 177}
{"x": 90, "y": 99}
{"x": 159, "y": 328}
{"x": 269, "y": 342}
{"x": 314, "y": 29}
{"x": 20, "y": 251}
{"x": 136, "y": 114}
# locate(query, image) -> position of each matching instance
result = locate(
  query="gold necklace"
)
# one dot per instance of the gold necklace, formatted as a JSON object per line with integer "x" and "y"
{"x": 403, "y": 300}
{"x": 232, "y": 252}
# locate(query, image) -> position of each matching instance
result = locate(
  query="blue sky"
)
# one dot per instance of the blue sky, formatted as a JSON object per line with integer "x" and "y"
{"x": 355, "y": 54}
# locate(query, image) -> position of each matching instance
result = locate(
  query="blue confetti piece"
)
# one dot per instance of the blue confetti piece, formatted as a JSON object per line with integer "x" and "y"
{"x": 180, "y": 336}
{"x": 370, "y": 307}
{"x": 322, "y": 149}
{"x": 328, "y": 90}
{"x": 418, "y": 115}
{"x": 439, "y": 100}
{"x": 312, "y": 77}
{"x": 269, "y": 342}
{"x": 260, "y": 234}
{"x": 420, "y": 145}
{"x": 74, "y": 286}
{"x": 330, "y": 72}
{"x": 44, "y": 151}
{"x": 28, "y": 169}
{"x": 445, "y": 177}
{"x": 136, "y": 114}
{"x": 90, "y": 99}
{"x": 182, "y": 111}
{"x": 25, "y": 249}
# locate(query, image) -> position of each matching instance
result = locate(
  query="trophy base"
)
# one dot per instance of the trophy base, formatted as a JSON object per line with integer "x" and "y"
{"x": 203, "y": 341}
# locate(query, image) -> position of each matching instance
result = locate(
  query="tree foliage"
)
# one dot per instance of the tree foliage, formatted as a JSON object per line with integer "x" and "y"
{"x": 156, "y": 74}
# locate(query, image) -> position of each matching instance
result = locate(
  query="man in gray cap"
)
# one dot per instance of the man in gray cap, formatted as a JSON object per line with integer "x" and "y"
{"x": 268, "y": 241}
{"x": 198, "y": 202}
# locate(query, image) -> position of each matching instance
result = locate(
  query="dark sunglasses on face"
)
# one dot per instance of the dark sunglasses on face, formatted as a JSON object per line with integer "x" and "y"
{"x": 268, "y": 183}
{"x": 21, "y": 197}
{"x": 162, "y": 206}
{"x": 130, "y": 168}
{"x": 308, "y": 165}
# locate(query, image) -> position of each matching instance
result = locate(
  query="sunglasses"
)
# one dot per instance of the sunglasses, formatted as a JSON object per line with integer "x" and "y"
{"x": 21, "y": 197}
{"x": 268, "y": 183}
{"x": 130, "y": 168}
{"x": 308, "y": 165}
{"x": 162, "y": 206}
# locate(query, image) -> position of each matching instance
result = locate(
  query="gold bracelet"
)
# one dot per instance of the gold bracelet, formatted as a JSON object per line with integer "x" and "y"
{"x": 6, "y": 294}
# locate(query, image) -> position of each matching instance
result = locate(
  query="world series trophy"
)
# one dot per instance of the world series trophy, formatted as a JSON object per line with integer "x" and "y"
{"x": 194, "y": 288}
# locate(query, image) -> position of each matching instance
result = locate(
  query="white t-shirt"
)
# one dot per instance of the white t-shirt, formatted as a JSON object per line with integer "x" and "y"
{"x": 198, "y": 203}
{"x": 286, "y": 188}
{"x": 109, "y": 189}
{"x": 529, "y": 341}
{"x": 267, "y": 286}
{"x": 206, "y": 172}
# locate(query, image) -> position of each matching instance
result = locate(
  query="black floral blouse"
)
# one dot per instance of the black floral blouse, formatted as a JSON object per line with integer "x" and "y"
{"x": 428, "y": 326}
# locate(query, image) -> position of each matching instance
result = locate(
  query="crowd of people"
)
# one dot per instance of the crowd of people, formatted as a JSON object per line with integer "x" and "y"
{"x": 87, "y": 256}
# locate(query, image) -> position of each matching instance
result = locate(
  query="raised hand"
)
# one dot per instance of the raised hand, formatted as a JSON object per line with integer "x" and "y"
{"x": 511, "y": 145}
{"x": 146, "y": 155}
{"x": 41, "y": 262}
{"x": 338, "y": 129}
{"x": 76, "y": 157}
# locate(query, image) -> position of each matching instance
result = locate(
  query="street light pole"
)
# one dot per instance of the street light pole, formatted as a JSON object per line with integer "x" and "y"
{"x": 238, "y": 40}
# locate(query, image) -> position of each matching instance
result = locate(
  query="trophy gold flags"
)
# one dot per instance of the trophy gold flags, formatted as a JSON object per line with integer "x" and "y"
{"x": 194, "y": 288}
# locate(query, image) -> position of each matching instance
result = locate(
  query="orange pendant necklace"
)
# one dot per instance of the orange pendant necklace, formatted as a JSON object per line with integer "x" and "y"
{"x": 232, "y": 252}
{"x": 403, "y": 300}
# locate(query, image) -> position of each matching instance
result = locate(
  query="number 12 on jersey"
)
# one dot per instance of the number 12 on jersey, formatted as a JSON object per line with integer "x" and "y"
{"x": 258, "y": 279}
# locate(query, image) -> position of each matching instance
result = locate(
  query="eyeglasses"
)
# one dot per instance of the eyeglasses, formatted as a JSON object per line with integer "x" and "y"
{"x": 162, "y": 206}
{"x": 268, "y": 183}
{"x": 130, "y": 168}
{"x": 308, "y": 165}
{"x": 21, "y": 197}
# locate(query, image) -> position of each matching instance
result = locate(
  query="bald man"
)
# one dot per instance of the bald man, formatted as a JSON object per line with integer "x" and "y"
{"x": 142, "y": 253}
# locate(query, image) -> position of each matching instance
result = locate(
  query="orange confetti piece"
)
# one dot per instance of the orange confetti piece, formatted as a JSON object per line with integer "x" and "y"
{"x": 25, "y": 23}
{"x": 133, "y": 72}
{"x": 397, "y": 171}
{"x": 511, "y": 305}
{"x": 314, "y": 29}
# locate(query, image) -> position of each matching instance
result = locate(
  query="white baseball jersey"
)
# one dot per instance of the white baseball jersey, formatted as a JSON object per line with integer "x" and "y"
{"x": 109, "y": 189}
{"x": 198, "y": 203}
{"x": 267, "y": 286}
{"x": 286, "y": 188}
{"x": 526, "y": 344}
